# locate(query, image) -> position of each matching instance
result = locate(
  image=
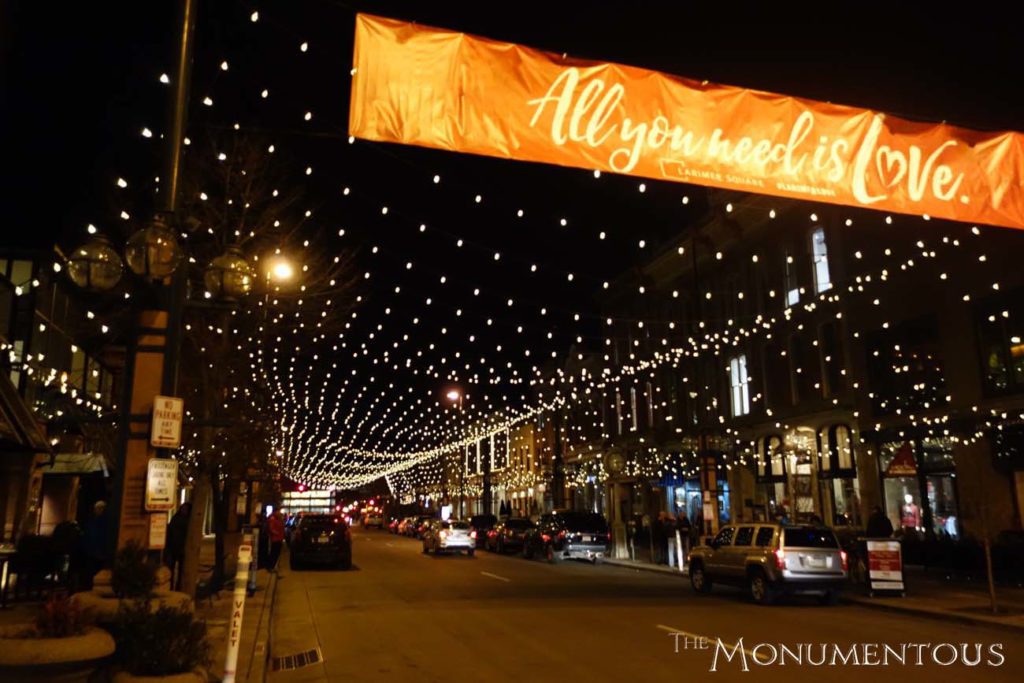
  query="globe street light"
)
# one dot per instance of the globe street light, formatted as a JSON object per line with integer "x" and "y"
{"x": 229, "y": 276}
{"x": 96, "y": 265}
{"x": 153, "y": 252}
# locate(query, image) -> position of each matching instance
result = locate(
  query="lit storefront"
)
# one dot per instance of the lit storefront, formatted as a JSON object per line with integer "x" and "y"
{"x": 919, "y": 486}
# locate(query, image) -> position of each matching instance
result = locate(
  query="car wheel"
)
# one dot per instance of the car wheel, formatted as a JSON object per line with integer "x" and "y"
{"x": 527, "y": 551}
{"x": 698, "y": 579}
{"x": 346, "y": 562}
{"x": 761, "y": 590}
{"x": 471, "y": 552}
{"x": 553, "y": 555}
{"x": 830, "y": 597}
{"x": 501, "y": 547}
{"x": 426, "y": 550}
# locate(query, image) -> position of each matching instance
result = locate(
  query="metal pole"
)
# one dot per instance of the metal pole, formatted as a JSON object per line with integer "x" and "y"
{"x": 179, "y": 109}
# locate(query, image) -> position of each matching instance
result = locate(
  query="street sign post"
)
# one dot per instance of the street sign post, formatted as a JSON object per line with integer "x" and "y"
{"x": 237, "y": 608}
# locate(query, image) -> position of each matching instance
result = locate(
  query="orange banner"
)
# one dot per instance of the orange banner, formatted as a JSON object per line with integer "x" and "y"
{"x": 435, "y": 88}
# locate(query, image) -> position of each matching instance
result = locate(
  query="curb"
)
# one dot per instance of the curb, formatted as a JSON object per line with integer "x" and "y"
{"x": 257, "y": 672}
{"x": 645, "y": 568}
{"x": 932, "y": 614}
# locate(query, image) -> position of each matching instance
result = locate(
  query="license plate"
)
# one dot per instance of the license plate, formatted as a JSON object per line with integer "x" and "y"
{"x": 815, "y": 562}
{"x": 323, "y": 539}
{"x": 588, "y": 539}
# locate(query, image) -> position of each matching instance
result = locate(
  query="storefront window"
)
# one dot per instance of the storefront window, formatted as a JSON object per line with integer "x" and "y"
{"x": 907, "y": 505}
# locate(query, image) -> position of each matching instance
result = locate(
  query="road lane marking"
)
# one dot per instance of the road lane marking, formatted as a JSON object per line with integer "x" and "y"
{"x": 495, "y": 576}
{"x": 390, "y": 545}
{"x": 695, "y": 636}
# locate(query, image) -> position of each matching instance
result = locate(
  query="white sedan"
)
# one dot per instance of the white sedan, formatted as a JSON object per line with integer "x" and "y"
{"x": 449, "y": 536}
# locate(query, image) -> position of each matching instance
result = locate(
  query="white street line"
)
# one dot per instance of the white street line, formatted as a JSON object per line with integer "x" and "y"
{"x": 495, "y": 576}
{"x": 729, "y": 646}
{"x": 390, "y": 545}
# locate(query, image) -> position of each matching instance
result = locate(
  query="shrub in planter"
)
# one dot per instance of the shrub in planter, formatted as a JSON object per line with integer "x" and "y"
{"x": 60, "y": 646}
{"x": 133, "y": 574}
{"x": 164, "y": 642}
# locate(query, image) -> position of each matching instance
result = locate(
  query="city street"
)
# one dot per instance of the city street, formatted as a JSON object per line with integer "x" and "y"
{"x": 403, "y": 616}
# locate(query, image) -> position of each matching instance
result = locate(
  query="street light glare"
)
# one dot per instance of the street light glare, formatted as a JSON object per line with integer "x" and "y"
{"x": 282, "y": 270}
{"x": 453, "y": 395}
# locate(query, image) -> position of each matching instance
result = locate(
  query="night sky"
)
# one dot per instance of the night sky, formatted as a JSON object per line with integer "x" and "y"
{"x": 80, "y": 83}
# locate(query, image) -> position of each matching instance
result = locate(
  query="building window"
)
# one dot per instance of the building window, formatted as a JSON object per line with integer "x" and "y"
{"x": 649, "y": 398}
{"x": 802, "y": 363}
{"x": 819, "y": 250}
{"x": 792, "y": 281}
{"x": 832, "y": 360}
{"x": 618, "y": 411}
{"x": 632, "y": 407}
{"x": 1001, "y": 340}
{"x": 738, "y": 382}
{"x": 905, "y": 367}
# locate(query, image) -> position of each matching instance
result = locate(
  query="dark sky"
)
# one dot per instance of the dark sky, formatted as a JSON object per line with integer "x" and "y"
{"x": 80, "y": 81}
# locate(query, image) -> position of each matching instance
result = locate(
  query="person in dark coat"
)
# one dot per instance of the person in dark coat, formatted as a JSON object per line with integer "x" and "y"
{"x": 177, "y": 534}
{"x": 879, "y": 525}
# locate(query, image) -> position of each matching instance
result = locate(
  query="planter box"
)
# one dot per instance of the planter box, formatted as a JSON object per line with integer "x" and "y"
{"x": 102, "y": 604}
{"x": 67, "y": 660}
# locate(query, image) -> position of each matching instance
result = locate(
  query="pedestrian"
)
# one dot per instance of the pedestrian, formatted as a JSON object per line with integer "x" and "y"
{"x": 684, "y": 530}
{"x": 697, "y": 531}
{"x": 668, "y": 524}
{"x": 95, "y": 541}
{"x": 262, "y": 547}
{"x": 174, "y": 551}
{"x": 879, "y": 525}
{"x": 275, "y": 534}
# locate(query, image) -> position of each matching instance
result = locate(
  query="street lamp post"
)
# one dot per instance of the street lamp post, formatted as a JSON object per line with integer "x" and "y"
{"x": 456, "y": 396}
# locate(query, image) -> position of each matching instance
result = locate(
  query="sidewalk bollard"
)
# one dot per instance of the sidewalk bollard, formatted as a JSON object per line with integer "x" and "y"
{"x": 679, "y": 551}
{"x": 237, "y": 607}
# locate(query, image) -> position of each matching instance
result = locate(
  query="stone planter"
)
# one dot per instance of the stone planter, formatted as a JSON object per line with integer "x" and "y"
{"x": 102, "y": 604}
{"x": 188, "y": 677}
{"x": 64, "y": 660}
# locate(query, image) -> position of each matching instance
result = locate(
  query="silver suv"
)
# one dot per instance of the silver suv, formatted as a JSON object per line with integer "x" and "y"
{"x": 771, "y": 559}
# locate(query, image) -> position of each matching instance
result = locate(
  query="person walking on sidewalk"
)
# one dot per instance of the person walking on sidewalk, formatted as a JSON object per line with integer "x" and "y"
{"x": 275, "y": 533}
{"x": 177, "y": 533}
{"x": 879, "y": 525}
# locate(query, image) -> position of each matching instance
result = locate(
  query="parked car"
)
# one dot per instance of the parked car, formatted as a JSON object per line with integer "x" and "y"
{"x": 508, "y": 535}
{"x": 440, "y": 536}
{"x": 416, "y": 524}
{"x": 373, "y": 520}
{"x": 565, "y": 534}
{"x": 403, "y": 526}
{"x": 393, "y": 525}
{"x": 322, "y": 539}
{"x": 482, "y": 524}
{"x": 770, "y": 560}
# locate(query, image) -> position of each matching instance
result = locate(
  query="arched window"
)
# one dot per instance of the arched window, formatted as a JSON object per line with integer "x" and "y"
{"x": 771, "y": 462}
{"x": 836, "y": 458}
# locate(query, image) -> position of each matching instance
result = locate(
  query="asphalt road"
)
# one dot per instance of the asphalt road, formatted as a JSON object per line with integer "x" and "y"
{"x": 400, "y": 615}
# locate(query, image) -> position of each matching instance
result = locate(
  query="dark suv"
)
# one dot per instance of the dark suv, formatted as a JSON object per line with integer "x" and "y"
{"x": 324, "y": 539}
{"x": 564, "y": 534}
{"x": 770, "y": 559}
{"x": 481, "y": 525}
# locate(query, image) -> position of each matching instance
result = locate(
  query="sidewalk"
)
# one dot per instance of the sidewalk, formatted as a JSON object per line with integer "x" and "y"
{"x": 253, "y": 647}
{"x": 926, "y": 595}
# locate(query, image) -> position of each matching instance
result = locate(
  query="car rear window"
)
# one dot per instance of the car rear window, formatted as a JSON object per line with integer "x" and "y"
{"x": 456, "y": 525}
{"x": 519, "y": 524}
{"x": 799, "y": 537}
{"x": 322, "y": 523}
{"x": 584, "y": 521}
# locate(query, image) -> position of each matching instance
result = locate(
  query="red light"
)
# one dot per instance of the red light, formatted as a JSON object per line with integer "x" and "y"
{"x": 780, "y": 558}
{"x": 302, "y": 487}
{"x": 472, "y": 534}
{"x": 561, "y": 534}
{"x": 845, "y": 559}
{"x": 547, "y": 539}
{"x": 609, "y": 536}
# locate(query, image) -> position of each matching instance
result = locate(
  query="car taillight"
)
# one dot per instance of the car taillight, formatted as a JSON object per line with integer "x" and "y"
{"x": 780, "y": 558}
{"x": 546, "y": 538}
{"x": 845, "y": 560}
{"x": 561, "y": 534}
{"x": 472, "y": 534}
{"x": 609, "y": 536}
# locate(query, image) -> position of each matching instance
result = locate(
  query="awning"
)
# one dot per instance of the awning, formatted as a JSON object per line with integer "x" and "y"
{"x": 19, "y": 430}
{"x": 77, "y": 463}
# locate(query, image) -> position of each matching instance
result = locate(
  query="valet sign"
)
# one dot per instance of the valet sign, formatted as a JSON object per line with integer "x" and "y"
{"x": 167, "y": 416}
